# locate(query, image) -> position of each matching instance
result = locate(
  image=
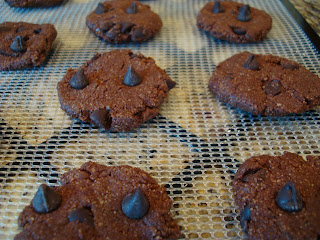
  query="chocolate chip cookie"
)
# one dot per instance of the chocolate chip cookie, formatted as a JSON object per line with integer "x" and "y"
{"x": 33, "y": 3}
{"x": 279, "y": 196}
{"x": 234, "y": 22}
{"x": 24, "y": 45}
{"x": 123, "y": 21}
{"x": 265, "y": 84}
{"x": 100, "y": 202}
{"x": 117, "y": 90}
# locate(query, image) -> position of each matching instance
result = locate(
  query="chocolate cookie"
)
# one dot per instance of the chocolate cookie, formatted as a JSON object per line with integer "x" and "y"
{"x": 234, "y": 22}
{"x": 265, "y": 84}
{"x": 279, "y": 196}
{"x": 100, "y": 202}
{"x": 117, "y": 90}
{"x": 24, "y": 45}
{"x": 124, "y": 21}
{"x": 33, "y": 3}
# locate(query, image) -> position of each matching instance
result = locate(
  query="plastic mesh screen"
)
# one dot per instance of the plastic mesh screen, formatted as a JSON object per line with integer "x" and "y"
{"x": 193, "y": 147}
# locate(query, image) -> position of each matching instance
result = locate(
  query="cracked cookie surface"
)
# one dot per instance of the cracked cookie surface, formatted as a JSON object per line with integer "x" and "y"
{"x": 106, "y": 101}
{"x": 265, "y": 85}
{"x": 224, "y": 24}
{"x": 91, "y": 199}
{"x": 257, "y": 185}
{"x": 24, "y": 45}
{"x": 123, "y": 21}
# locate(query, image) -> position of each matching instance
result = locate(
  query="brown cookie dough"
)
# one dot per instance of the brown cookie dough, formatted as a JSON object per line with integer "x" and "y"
{"x": 24, "y": 45}
{"x": 33, "y": 3}
{"x": 90, "y": 207}
{"x": 265, "y": 84}
{"x": 279, "y": 196}
{"x": 124, "y": 21}
{"x": 234, "y": 22}
{"x": 106, "y": 100}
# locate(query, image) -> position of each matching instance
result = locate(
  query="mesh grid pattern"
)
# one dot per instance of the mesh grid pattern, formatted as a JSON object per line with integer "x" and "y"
{"x": 193, "y": 147}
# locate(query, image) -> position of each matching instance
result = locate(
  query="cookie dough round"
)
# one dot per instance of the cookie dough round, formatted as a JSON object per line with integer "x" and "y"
{"x": 107, "y": 101}
{"x": 124, "y": 21}
{"x": 96, "y": 193}
{"x": 24, "y": 45}
{"x": 225, "y": 25}
{"x": 262, "y": 179}
{"x": 265, "y": 84}
{"x": 33, "y": 3}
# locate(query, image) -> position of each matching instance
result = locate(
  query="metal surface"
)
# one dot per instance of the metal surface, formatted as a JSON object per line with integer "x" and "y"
{"x": 193, "y": 147}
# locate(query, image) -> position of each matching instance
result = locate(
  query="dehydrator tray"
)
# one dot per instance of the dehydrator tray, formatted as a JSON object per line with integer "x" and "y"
{"x": 193, "y": 147}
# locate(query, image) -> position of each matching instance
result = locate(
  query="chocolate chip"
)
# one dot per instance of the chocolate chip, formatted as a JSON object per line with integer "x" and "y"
{"x": 171, "y": 84}
{"x": 289, "y": 199}
{"x": 132, "y": 9}
{"x": 273, "y": 87}
{"x": 18, "y": 45}
{"x": 101, "y": 118}
{"x": 244, "y": 13}
{"x": 131, "y": 78}
{"x": 217, "y": 7}
{"x": 251, "y": 63}
{"x": 101, "y": 9}
{"x": 137, "y": 34}
{"x": 245, "y": 216}
{"x": 289, "y": 66}
{"x": 82, "y": 215}
{"x": 46, "y": 199}
{"x": 106, "y": 27}
{"x": 135, "y": 205}
{"x": 239, "y": 30}
{"x": 37, "y": 31}
{"x": 79, "y": 80}
{"x": 126, "y": 27}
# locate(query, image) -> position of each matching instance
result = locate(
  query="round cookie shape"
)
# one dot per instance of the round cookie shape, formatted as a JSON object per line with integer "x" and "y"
{"x": 91, "y": 207}
{"x": 123, "y": 21}
{"x": 108, "y": 101}
{"x": 234, "y": 22}
{"x": 33, "y": 3}
{"x": 265, "y": 85}
{"x": 279, "y": 196}
{"x": 24, "y": 45}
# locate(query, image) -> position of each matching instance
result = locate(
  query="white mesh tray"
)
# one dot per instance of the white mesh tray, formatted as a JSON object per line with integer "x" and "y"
{"x": 193, "y": 147}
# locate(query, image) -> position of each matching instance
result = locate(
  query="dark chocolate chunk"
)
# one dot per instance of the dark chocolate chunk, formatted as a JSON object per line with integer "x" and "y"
{"x": 171, "y": 84}
{"x": 18, "y": 45}
{"x": 83, "y": 215}
{"x": 132, "y": 9}
{"x": 239, "y": 30}
{"x": 135, "y": 205}
{"x": 101, "y": 9}
{"x": 79, "y": 80}
{"x": 217, "y": 7}
{"x": 245, "y": 216}
{"x": 251, "y": 63}
{"x": 46, "y": 199}
{"x": 273, "y": 87}
{"x": 37, "y": 31}
{"x": 106, "y": 27}
{"x": 131, "y": 78}
{"x": 137, "y": 34}
{"x": 289, "y": 66}
{"x": 126, "y": 27}
{"x": 244, "y": 13}
{"x": 101, "y": 118}
{"x": 289, "y": 198}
